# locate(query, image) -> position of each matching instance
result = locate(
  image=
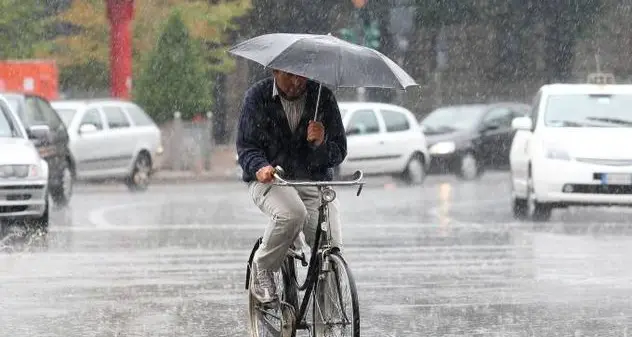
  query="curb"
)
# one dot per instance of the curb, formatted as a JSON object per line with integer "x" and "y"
{"x": 157, "y": 179}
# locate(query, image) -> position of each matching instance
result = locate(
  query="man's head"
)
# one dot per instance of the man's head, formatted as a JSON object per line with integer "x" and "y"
{"x": 290, "y": 86}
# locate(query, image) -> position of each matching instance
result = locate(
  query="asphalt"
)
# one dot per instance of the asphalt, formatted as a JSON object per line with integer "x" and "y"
{"x": 443, "y": 259}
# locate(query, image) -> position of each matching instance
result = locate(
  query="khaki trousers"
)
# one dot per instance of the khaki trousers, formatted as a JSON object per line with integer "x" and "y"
{"x": 291, "y": 210}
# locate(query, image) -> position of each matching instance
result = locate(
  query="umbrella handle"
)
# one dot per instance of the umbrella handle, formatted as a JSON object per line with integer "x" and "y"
{"x": 320, "y": 87}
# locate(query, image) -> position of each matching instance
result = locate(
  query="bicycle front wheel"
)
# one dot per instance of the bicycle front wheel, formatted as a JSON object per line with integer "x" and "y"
{"x": 336, "y": 308}
{"x": 278, "y": 319}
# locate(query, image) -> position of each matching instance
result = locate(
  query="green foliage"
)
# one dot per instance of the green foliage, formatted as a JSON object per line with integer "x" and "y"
{"x": 348, "y": 35}
{"x": 174, "y": 77}
{"x": 22, "y": 27}
{"x": 84, "y": 51}
{"x": 372, "y": 35}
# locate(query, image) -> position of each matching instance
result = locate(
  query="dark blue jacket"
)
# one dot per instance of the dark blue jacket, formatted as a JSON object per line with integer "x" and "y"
{"x": 264, "y": 136}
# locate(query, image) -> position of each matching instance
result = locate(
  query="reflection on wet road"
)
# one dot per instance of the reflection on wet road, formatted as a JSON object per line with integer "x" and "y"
{"x": 442, "y": 260}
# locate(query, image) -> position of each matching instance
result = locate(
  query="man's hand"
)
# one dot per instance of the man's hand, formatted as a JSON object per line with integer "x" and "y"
{"x": 265, "y": 174}
{"x": 315, "y": 132}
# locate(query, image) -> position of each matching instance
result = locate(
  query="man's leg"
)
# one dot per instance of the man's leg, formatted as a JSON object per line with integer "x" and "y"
{"x": 287, "y": 216}
{"x": 311, "y": 198}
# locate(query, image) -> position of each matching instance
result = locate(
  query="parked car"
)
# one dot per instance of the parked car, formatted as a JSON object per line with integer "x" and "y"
{"x": 47, "y": 131}
{"x": 467, "y": 139}
{"x": 383, "y": 139}
{"x": 112, "y": 139}
{"x": 573, "y": 150}
{"x": 23, "y": 173}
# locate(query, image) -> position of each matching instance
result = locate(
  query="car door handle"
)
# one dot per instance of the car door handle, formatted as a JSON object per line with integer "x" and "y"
{"x": 381, "y": 142}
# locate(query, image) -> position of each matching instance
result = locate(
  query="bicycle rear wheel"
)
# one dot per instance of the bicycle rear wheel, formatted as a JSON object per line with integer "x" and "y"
{"x": 336, "y": 311}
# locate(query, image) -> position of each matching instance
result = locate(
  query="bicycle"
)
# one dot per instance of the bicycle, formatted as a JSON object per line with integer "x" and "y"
{"x": 324, "y": 260}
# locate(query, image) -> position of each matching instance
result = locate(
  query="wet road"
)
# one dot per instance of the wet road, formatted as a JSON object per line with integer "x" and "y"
{"x": 443, "y": 260}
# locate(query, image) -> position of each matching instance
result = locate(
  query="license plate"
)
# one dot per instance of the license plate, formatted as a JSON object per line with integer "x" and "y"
{"x": 616, "y": 179}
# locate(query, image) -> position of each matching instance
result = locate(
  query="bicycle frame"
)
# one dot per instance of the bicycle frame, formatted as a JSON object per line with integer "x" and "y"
{"x": 319, "y": 252}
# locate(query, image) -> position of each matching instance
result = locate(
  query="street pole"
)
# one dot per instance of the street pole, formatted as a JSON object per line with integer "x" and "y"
{"x": 120, "y": 14}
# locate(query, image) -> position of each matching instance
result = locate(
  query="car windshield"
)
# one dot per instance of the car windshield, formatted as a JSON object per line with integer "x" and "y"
{"x": 66, "y": 115}
{"x": 8, "y": 129}
{"x": 597, "y": 111}
{"x": 451, "y": 119}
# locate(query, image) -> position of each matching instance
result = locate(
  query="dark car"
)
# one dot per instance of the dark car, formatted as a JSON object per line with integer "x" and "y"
{"x": 47, "y": 131}
{"x": 466, "y": 139}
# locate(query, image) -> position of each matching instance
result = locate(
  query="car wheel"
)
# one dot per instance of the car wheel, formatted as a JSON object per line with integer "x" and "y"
{"x": 469, "y": 167}
{"x": 519, "y": 206}
{"x": 62, "y": 193}
{"x": 39, "y": 226}
{"x": 138, "y": 180}
{"x": 538, "y": 211}
{"x": 415, "y": 172}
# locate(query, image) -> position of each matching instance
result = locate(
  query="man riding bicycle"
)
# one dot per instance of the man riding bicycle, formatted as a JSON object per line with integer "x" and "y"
{"x": 275, "y": 128}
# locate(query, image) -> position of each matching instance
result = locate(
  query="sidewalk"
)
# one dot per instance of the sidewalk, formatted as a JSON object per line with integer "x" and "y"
{"x": 169, "y": 176}
{"x": 223, "y": 168}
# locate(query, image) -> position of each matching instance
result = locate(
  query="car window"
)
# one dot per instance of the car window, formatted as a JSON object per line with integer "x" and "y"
{"x": 520, "y": 111}
{"x": 66, "y": 114}
{"x": 8, "y": 127}
{"x": 138, "y": 116}
{"x": 50, "y": 115}
{"x": 500, "y": 117}
{"x": 33, "y": 114}
{"x": 452, "y": 118}
{"x": 115, "y": 117}
{"x": 588, "y": 110}
{"x": 363, "y": 122}
{"x": 14, "y": 104}
{"x": 92, "y": 116}
{"x": 395, "y": 121}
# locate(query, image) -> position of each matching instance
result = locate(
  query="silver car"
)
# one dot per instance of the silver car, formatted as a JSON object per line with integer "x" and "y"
{"x": 112, "y": 139}
{"x": 23, "y": 174}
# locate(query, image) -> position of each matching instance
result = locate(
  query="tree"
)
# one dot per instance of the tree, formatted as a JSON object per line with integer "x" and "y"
{"x": 174, "y": 77}
{"x": 87, "y": 47}
{"x": 22, "y": 27}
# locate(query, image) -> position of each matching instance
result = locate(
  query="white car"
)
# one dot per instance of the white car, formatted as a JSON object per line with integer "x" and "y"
{"x": 383, "y": 139}
{"x": 112, "y": 139}
{"x": 573, "y": 150}
{"x": 23, "y": 174}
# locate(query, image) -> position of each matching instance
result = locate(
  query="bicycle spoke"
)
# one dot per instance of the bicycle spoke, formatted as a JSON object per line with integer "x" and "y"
{"x": 336, "y": 302}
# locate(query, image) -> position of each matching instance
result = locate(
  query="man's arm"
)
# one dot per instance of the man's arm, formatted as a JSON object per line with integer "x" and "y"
{"x": 334, "y": 149}
{"x": 251, "y": 155}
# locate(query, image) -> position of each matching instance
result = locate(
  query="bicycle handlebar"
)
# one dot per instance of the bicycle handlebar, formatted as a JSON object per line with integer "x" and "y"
{"x": 356, "y": 181}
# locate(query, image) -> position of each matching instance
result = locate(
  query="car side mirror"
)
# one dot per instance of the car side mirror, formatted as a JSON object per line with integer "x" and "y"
{"x": 87, "y": 128}
{"x": 38, "y": 132}
{"x": 522, "y": 123}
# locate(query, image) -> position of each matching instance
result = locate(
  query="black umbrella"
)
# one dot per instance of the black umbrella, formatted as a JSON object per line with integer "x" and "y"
{"x": 325, "y": 59}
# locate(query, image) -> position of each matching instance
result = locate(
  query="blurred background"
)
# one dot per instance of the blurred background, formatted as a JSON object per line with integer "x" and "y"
{"x": 458, "y": 51}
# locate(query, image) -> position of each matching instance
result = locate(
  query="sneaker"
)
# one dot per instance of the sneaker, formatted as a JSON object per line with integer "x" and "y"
{"x": 263, "y": 289}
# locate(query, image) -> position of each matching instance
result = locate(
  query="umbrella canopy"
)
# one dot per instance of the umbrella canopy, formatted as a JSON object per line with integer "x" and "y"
{"x": 326, "y": 59}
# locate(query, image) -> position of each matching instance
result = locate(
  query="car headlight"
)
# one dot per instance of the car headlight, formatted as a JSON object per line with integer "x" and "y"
{"x": 442, "y": 148}
{"x": 559, "y": 154}
{"x": 22, "y": 171}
